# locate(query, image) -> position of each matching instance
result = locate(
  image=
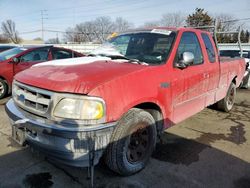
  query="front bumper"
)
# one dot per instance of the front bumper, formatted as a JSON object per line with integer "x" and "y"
{"x": 72, "y": 146}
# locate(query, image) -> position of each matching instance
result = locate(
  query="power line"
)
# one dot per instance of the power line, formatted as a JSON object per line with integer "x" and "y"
{"x": 111, "y": 11}
{"x": 29, "y": 32}
{"x": 236, "y": 20}
{"x": 56, "y": 9}
{"x": 106, "y": 7}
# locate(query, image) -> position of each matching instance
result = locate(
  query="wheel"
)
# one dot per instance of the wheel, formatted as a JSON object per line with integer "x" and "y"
{"x": 226, "y": 104}
{"x": 3, "y": 88}
{"x": 246, "y": 81}
{"x": 132, "y": 142}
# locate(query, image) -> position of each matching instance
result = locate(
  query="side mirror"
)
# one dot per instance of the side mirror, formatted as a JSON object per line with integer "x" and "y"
{"x": 15, "y": 60}
{"x": 187, "y": 60}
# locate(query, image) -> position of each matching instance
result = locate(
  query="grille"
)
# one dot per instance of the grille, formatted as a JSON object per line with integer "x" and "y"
{"x": 32, "y": 99}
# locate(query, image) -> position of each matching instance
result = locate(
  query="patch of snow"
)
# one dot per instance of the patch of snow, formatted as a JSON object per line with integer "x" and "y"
{"x": 73, "y": 61}
{"x": 107, "y": 49}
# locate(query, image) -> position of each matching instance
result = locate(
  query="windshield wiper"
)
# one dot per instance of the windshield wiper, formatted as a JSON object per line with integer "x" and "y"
{"x": 123, "y": 57}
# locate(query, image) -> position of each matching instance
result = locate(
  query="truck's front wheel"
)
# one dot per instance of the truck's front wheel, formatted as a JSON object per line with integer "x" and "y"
{"x": 132, "y": 142}
{"x": 227, "y": 103}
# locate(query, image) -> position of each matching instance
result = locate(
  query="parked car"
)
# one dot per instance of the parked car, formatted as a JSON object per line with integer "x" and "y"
{"x": 5, "y": 47}
{"x": 116, "y": 101}
{"x": 235, "y": 54}
{"x": 20, "y": 58}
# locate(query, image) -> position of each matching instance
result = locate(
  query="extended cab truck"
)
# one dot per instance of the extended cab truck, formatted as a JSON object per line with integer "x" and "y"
{"x": 18, "y": 59}
{"x": 116, "y": 101}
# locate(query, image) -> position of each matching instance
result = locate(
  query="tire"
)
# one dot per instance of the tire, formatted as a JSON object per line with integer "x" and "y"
{"x": 3, "y": 88}
{"x": 246, "y": 82}
{"x": 226, "y": 104}
{"x": 132, "y": 142}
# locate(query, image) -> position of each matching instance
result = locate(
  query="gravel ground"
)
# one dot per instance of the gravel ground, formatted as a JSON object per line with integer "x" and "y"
{"x": 210, "y": 149}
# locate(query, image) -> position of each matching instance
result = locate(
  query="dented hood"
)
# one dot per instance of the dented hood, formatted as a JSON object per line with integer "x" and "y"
{"x": 78, "y": 75}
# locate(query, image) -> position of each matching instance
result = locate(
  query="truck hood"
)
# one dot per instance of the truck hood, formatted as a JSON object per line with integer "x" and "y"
{"x": 77, "y": 75}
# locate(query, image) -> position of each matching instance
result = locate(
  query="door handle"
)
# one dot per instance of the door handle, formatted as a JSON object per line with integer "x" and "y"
{"x": 205, "y": 75}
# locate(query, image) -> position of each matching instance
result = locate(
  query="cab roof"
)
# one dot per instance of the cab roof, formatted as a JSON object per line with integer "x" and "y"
{"x": 163, "y": 29}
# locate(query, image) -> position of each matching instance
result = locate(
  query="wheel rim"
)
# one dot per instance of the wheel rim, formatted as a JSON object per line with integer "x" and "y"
{"x": 1, "y": 88}
{"x": 230, "y": 98}
{"x": 138, "y": 143}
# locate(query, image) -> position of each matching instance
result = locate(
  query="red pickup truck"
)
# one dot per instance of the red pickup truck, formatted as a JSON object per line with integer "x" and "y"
{"x": 18, "y": 59}
{"x": 116, "y": 101}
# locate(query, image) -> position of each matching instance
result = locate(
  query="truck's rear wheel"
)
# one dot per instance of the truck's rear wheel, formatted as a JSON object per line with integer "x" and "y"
{"x": 132, "y": 142}
{"x": 227, "y": 103}
{"x": 246, "y": 82}
{"x": 3, "y": 88}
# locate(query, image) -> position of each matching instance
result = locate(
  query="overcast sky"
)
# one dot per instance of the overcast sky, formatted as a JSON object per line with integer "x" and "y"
{"x": 61, "y": 14}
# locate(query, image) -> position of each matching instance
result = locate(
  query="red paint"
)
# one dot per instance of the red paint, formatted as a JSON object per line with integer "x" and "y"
{"x": 124, "y": 85}
{"x": 9, "y": 69}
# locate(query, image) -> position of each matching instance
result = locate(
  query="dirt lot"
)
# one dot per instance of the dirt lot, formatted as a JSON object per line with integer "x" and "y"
{"x": 211, "y": 149}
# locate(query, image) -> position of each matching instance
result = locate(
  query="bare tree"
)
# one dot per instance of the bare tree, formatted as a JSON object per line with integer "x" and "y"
{"x": 104, "y": 27}
{"x": 3, "y": 39}
{"x": 97, "y": 30}
{"x": 87, "y": 31}
{"x": 226, "y": 22}
{"x": 71, "y": 35}
{"x": 176, "y": 19}
{"x": 122, "y": 25}
{"x": 53, "y": 41}
{"x": 10, "y": 32}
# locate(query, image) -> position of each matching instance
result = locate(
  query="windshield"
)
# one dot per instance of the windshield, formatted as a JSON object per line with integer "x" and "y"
{"x": 148, "y": 47}
{"x": 11, "y": 53}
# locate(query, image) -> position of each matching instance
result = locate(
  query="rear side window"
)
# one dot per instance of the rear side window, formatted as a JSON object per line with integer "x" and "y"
{"x": 61, "y": 54}
{"x": 209, "y": 47}
{"x": 190, "y": 43}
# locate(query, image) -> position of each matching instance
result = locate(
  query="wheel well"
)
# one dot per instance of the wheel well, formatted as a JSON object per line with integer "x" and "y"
{"x": 234, "y": 80}
{"x": 156, "y": 112}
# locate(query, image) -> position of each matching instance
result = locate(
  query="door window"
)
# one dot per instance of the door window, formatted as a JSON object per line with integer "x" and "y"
{"x": 209, "y": 47}
{"x": 35, "y": 55}
{"x": 190, "y": 43}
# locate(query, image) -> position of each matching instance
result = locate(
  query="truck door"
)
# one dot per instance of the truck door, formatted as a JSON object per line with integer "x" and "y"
{"x": 193, "y": 78}
{"x": 31, "y": 58}
{"x": 213, "y": 68}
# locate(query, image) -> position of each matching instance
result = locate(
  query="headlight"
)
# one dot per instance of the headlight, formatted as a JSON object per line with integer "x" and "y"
{"x": 80, "y": 109}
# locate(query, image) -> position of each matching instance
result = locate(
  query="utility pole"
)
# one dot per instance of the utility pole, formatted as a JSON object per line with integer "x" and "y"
{"x": 57, "y": 39}
{"x": 43, "y": 17}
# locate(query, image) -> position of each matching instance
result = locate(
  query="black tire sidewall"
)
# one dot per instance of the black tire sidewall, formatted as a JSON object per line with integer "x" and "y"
{"x": 152, "y": 141}
{"x": 5, "y": 87}
{"x": 125, "y": 125}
